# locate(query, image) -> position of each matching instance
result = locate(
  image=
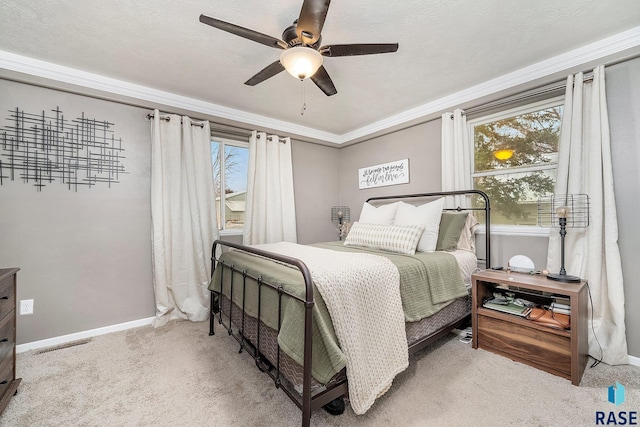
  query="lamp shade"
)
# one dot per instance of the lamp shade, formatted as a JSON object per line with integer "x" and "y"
{"x": 572, "y": 207}
{"x": 301, "y": 62}
{"x": 340, "y": 214}
{"x": 567, "y": 211}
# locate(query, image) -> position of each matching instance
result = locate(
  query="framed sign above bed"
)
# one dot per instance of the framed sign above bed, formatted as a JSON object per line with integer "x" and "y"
{"x": 391, "y": 173}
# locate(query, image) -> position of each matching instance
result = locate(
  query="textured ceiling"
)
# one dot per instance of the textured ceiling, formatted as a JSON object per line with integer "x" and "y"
{"x": 444, "y": 47}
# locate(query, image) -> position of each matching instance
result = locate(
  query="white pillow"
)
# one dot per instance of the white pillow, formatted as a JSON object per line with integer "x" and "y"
{"x": 381, "y": 215}
{"x": 391, "y": 238}
{"x": 427, "y": 215}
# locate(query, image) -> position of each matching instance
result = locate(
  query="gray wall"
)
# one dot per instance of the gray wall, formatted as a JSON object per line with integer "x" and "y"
{"x": 316, "y": 187}
{"x": 623, "y": 98}
{"x": 85, "y": 256}
{"x": 420, "y": 144}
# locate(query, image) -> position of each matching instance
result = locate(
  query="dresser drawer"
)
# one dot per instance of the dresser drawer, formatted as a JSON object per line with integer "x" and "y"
{"x": 7, "y": 296}
{"x": 545, "y": 349}
{"x": 6, "y": 374}
{"x": 7, "y": 334}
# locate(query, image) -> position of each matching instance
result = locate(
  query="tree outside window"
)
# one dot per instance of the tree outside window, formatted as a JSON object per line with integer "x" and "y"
{"x": 230, "y": 161}
{"x": 515, "y": 159}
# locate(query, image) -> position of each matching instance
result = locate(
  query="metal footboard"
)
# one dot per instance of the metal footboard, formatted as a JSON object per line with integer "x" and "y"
{"x": 307, "y": 403}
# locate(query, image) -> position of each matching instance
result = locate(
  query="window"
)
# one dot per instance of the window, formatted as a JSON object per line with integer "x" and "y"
{"x": 515, "y": 159}
{"x": 230, "y": 161}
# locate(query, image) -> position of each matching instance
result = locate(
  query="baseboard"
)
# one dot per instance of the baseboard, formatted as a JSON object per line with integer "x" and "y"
{"x": 49, "y": 342}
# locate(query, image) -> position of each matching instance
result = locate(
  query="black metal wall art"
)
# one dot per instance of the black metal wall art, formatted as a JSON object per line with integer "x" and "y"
{"x": 42, "y": 149}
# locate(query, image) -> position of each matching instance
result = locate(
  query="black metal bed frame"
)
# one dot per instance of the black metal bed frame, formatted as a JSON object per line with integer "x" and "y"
{"x": 308, "y": 402}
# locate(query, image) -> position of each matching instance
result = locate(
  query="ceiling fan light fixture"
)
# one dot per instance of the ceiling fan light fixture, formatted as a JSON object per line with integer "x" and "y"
{"x": 301, "y": 62}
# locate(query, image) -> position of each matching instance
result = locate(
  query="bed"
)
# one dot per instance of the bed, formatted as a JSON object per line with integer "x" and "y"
{"x": 290, "y": 306}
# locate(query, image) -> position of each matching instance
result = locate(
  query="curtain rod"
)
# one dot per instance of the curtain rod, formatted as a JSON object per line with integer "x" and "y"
{"x": 233, "y": 132}
{"x": 168, "y": 118}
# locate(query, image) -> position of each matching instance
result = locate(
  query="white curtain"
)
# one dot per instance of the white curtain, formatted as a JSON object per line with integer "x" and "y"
{"x": 270, "y": 214}
{"x": 183, "y": 217}
{"x": 456, "y": 156}
{"x": 584, "y": 167}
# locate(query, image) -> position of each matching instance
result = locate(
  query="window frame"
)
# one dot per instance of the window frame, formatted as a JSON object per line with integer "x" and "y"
{"x": 512, "y": 230}
{"x": 223, "y": 142}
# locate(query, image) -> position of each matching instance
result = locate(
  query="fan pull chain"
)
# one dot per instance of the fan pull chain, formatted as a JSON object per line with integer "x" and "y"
{"x": 304, "y": 102}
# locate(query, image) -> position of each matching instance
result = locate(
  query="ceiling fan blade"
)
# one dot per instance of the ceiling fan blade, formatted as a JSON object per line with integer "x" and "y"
{"x": 311, "y": 20}
{"x": 323, "y": 81}
{"x": 243, "y": 32}
{"x": 358, "y": 49}
{"x": 268, "y": 72}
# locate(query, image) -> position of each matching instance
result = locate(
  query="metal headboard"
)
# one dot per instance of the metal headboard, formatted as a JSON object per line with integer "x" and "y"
{"x": 486, "y": 209}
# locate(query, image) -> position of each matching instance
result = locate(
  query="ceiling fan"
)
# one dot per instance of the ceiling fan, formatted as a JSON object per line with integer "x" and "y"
{"x": 303, "y": 55}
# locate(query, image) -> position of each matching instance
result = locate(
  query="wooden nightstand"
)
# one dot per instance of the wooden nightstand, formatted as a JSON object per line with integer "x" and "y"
{"x": 560, "y": 352}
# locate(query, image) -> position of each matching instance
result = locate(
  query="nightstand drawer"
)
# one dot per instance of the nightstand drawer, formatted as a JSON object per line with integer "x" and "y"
{"x": 545, "y": 349}
{"x": 7, "y": 296}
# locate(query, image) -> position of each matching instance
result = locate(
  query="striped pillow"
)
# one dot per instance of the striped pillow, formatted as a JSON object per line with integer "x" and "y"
{"x": 401, "y": 239}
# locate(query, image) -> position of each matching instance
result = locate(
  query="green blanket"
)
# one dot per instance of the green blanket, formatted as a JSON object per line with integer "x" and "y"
{"x": 428, "y": 283}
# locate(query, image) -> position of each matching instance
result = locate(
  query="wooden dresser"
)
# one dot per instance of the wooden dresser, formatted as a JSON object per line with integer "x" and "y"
{"x": 8, "y": 382}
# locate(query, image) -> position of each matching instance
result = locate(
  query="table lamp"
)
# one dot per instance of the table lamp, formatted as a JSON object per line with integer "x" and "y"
{"x": 340, "y": 215}
{"x": 570, "y": 211}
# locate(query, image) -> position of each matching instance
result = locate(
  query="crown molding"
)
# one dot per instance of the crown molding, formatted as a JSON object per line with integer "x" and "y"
{"x": 609, "y": 46}
{"x": 83, "y": 79}
{"x": 615, "y": 45}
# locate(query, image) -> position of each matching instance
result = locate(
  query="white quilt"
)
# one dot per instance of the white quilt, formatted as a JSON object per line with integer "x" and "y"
{"x": 362, "y": 294}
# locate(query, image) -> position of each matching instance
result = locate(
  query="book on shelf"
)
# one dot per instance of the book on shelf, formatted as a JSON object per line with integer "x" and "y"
{"x": 510, "y": 307}
{"x": 560, "y": 308}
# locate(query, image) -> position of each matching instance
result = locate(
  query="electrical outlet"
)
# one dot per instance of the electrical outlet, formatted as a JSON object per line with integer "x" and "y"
{"x": 26, "y": 306}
